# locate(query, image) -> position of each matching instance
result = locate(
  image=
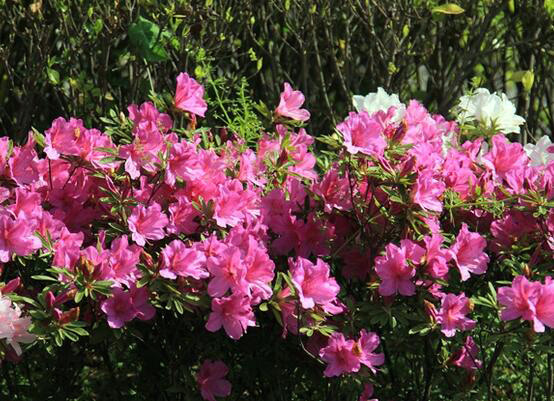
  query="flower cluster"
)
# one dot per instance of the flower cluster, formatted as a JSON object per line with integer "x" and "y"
{"x": 407, "y": 218}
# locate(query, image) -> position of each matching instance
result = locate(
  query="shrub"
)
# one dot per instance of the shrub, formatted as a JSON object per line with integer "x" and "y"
{"x": 169, "y": 259}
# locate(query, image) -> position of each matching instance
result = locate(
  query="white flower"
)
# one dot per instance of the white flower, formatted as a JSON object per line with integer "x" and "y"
{"x": 380, "y": 101}
{"x": 542, "y": 153}
{"x": 13, "y": 328}
{"x": 490, "y": 110}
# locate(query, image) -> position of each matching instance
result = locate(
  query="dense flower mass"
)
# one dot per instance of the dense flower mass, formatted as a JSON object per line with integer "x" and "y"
{"x": 407, "y": 225}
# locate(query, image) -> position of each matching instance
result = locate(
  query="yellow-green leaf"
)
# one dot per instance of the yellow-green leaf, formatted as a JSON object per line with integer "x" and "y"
{"x": 527, "y": 80}
{"x": 449, "y": 8}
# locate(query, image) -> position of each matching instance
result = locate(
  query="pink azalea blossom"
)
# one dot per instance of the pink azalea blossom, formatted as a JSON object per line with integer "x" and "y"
{"x": 466, "y": 357}
{"x": 395, "y": 272}
{"x": 340, "y": 356}
{"x": 505, "y": 156}
{"x": 67, "y": 249}
{"x": 346, "y": 356}
{"x": 545, "y": 305}
{"x": 210, "y": 379}
{"x": 427, "y": 190}
{"x": 437, "y": 258}
{"x": 182, "y": 162}
{"x": 313, "y": 282}
{"x": 24, "y": 165}
{"x": 234, "y": 204}
{"x": 468, "y": 253}
{"x": 122, "y": 261}
{"x": 290, "y": 103}
{"x": 4, "y": 148}
{"x": 366, "y": 344}
{"x": 363, "y": 134}
{"x": 180, "y": 260}
{"x": 520, "y": 300}
{"x": 118, "y": 308}
{"x": 16, "y": 237}
{"x": 124, "y": 306}
{"x": 27, "y": 204}
{"x": 259, "y": 271}
{"x": 13, "y": 327}
{"x": 147, "y": 223}
{"x": 334, "y": 190}
{"x": 62, "y": 137}
{"x": 189, "y": 95}
{"x": 228, "y": 273}
{"x": 452, "y": 314}
{"x": 368, "y": 392}
{"x": 233, "y": 313}
{"x": 182, "y": 216}
{"x": 147, "y": 118}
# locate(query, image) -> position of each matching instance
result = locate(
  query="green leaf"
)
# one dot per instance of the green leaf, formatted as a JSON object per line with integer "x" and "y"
{"x": 53, "y": 76}
{"x": 527, "y": 80}
{"x": 79, "y": 296}
{"x": 44, "y": 278}
{"x": 448, "y": 8}
{"x": 145, "y": 36}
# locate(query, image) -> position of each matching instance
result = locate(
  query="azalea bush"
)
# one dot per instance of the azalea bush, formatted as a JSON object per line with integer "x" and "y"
{"x": 405, "y": 257}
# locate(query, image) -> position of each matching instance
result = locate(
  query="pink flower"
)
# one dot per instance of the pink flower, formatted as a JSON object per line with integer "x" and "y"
{"x": 122, "y": 261}
{"x": 395, "y": 272}
{"x": 62, "y": 137}
{"x": 16, "y": 237}
{"x": 466, "y": 357}
{"x": 182, "y": 162}
{"x": 179, "y": 260}
{"x": 24, "y": 164}
{"x": 363, "y": 134}
{"x": 452, "y": 314}
{"x": 368, "y": 392}
{"x": 545, "y": 305}
{"x": 505, "y": 156}
{"x": 259, "y": 271}
{"x": 124, "y": 306}
{"x": 146, "y": 118}
{"x": 520, "y": 300}
{"x": 181, "y": 217}
{"x": 210, "y": 379}
{"x": 427, "y": 190}
{"x": 139, "y": 297}
{"x": 233, "y": 313}
{"x": 334, "y": 191}
{"x": 468, "y": 253}
{"x": 234, "y": 204}
{"x": 228, "y": 273}
{"x": 67, "y": 249}
{"x": 339, "y": 355}
{"x": 118, "y": 308}
{"x": 290, "y": 103}
{"x": 436, "y": 257}
{"x": 346, "y": 356}
{"x": 366, "y": 344}
{"x": 312, "y": 282}
{"x": 147, "y": 223}
{"x": 13, "y": 327}
{"x": 189, "y": 95}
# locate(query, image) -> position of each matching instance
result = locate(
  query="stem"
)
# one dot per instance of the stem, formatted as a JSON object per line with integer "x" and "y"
{"x": 549, "y": 379}
{"x": 488, "y": 372}
{"x": 531, "y": 385}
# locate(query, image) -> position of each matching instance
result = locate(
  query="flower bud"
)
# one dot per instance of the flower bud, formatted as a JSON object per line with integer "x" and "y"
{"x": 11, "y": 286}
{"x": 49, "y": 299}
{"x": 69, "y": 316}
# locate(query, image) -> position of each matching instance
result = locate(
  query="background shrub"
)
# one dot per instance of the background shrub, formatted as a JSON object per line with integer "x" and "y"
{"x": 84, "y": 57}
